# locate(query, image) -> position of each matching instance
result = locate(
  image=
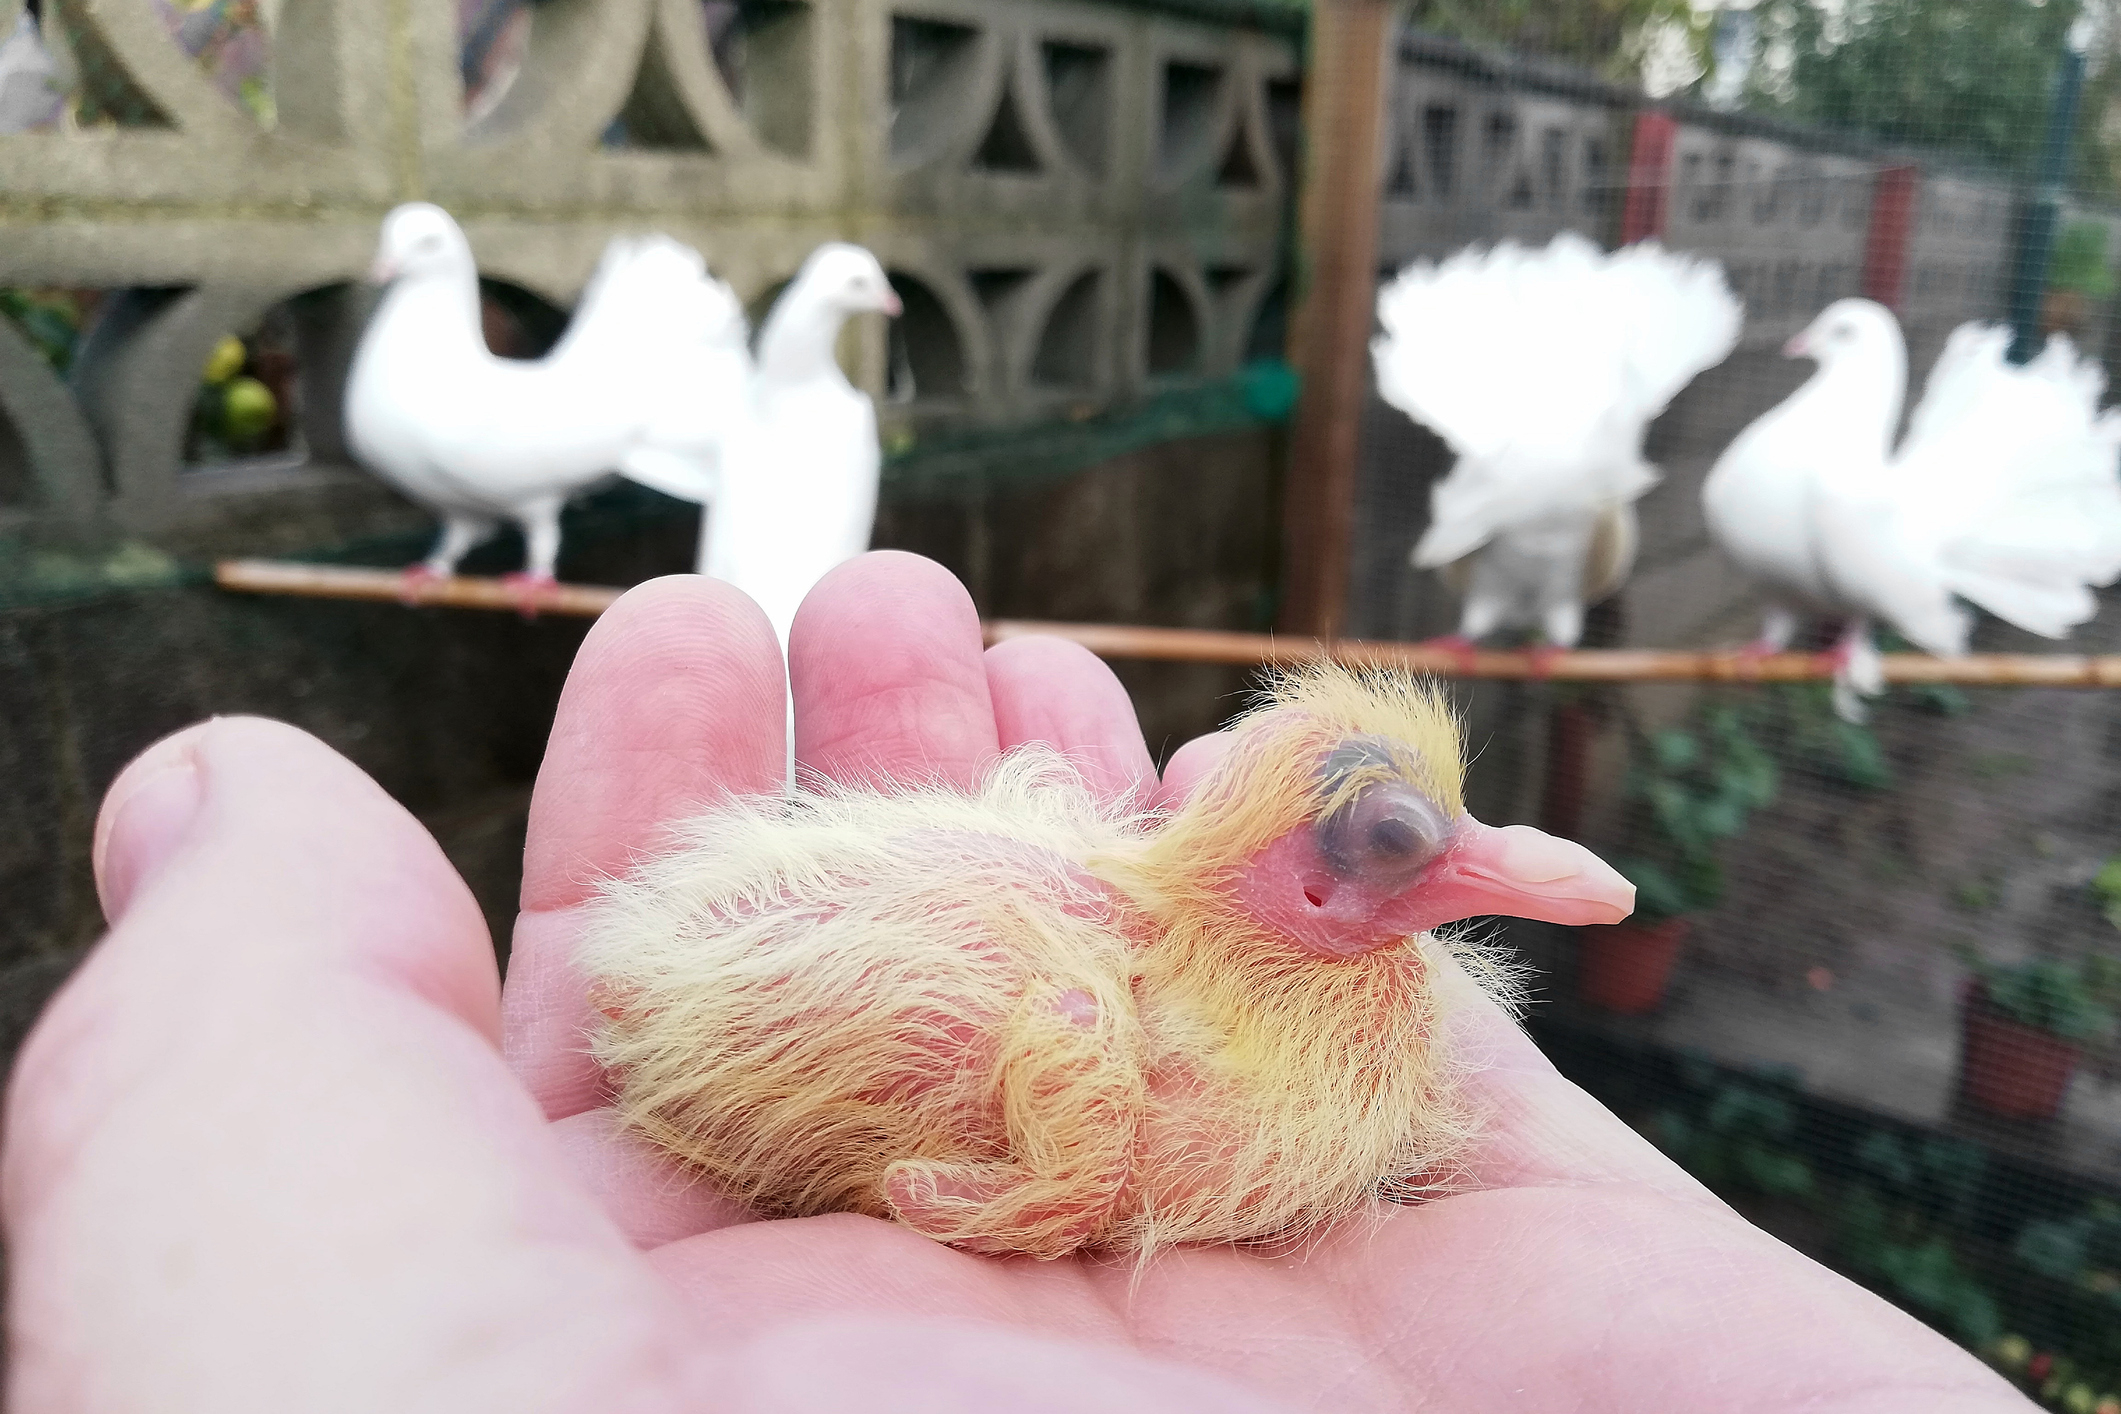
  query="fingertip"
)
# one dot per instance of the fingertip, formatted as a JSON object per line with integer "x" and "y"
{"x": 676, "y": 697}
{"x": 156, "y": 802}
{"x": 885, "y": 659}
{"x": 1189, "y": 766}
{"x": 144, "y": 817}
{"x": 1055, "y": 691}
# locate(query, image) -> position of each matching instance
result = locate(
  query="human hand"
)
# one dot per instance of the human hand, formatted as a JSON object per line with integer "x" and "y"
{"x": 265, "y": 1150}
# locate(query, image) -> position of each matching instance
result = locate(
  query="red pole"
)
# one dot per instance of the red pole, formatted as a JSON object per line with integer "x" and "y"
{"x": 1649, "y": 177}
{"x": 1893, "y": 193}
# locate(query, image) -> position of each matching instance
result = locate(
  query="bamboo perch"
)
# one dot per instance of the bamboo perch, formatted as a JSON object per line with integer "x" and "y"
{"x": 1186, "y": 645}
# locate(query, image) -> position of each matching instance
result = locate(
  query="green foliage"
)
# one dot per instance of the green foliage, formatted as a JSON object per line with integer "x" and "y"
{"x": 1606, "y": 35}
{"x": 1740, "y": 1144}
{"x": 1971, "y": 76}
{"x": 1928, "y": 1275}
{"x": 49, "y": 320}
{"x": 2084, "y": 1251}
{"x": 1939, "y": 698}
{"x": 2106, "y": 887}
{"x": 2061, "y": 998}
{"x": 2079, "y": 261}
{"x": 1698, "y": 788}
{"x": 1824, "y": 743}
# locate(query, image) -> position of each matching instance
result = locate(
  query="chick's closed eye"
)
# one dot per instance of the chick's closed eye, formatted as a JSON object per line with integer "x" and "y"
{"x": 1386, "y": 831}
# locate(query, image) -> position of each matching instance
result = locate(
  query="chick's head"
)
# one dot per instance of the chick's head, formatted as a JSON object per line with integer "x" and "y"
{"x": 1336, "y": 825}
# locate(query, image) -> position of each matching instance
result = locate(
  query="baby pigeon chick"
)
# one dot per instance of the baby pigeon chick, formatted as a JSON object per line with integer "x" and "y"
{"x": 1022, "y": 1020}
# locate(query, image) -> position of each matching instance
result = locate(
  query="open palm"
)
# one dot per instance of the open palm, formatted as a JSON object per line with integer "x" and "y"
{"x": 282, "y": 1144}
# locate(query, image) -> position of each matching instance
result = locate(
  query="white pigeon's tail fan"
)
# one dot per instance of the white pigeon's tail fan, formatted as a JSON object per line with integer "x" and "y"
{"x": 1476, "y": 345}
{"x": 1679, "y": 318}
{"x": 625, "y": 314}
{"x": 1496, "y": 347}
{"x": 2014, "y": 479}
{"x": 1541, "y": 369}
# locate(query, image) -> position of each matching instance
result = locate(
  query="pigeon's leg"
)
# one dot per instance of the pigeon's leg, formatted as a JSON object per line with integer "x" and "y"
{"x": 1562, "y": 624}
{"x": 1074, "y": 1102}
{"x": 1778, "y": 626}
{"x": 1482, "y": 615}
{"x": 1859, "y": 671}
{"x": 540, "y": 520}
{"x": 459, "y": 534}
{"x": 1458, "y": 646}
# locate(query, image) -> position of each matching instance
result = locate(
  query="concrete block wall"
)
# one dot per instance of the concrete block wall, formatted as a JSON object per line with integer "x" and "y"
{"x": 1082, "y": 205}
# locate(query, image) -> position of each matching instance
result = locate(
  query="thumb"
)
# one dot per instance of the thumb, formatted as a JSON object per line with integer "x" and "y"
{"x": 262, "y": 1150}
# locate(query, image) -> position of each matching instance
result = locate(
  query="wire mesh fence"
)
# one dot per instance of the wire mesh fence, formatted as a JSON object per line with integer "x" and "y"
{"x": 1870, "y": 996}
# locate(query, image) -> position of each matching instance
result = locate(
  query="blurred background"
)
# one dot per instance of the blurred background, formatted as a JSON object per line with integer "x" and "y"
{"x": 1871, "y": 997}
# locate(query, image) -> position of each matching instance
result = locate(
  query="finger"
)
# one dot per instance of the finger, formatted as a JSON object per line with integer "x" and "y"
{"x": 272, "y": 1097}
{"x": 651, "y": 1198}
{"x": 675, "y": 700}
{"x": 1189, "y": 766}
{"x": 1062, "y": 694}
{"x": 888, "y": 674}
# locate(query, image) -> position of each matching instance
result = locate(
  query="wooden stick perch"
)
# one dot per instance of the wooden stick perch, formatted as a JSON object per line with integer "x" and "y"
{"x": 583, "y": 601}
{"x": 1185, "y": 645}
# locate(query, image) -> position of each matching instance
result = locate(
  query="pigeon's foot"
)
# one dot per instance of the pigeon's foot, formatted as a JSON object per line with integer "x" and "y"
{"x": 1751, "y": 655}
{"x": 414, "y": 583}
{"x": 529, "y": 591}
{"x": 1858, "y": 672}
{"x": 1458, "y": 646}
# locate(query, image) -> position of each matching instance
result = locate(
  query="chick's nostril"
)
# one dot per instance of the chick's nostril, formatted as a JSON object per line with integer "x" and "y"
{"x": 1317, "y": 894}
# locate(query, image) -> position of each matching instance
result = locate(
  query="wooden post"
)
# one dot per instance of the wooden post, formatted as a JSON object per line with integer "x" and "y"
{"x": 1344, "y": 107}
{"x": 1892, "y": 229}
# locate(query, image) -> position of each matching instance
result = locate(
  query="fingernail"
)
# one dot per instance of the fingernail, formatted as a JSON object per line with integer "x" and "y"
{"x": 145, "y": 818}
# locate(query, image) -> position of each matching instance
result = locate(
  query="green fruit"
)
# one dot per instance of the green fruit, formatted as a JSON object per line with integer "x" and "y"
{"x": 247, "y": 410}
{"x": 226, "y": 361}
{"x": 2013, "y": 1351}
{"x": 2080, "y": 1399}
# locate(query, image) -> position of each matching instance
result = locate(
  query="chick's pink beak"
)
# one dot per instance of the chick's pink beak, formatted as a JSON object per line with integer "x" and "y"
{"x": 891, "y": 307}
{"x": 1797, "y": 347}
{"x": 1515, "y": 872}
{"x": 1518, "y": 872}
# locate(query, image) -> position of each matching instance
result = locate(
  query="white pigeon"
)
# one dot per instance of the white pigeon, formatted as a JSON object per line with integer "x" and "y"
{"x": 478, "y": 439}
{"x": 1542, "y": 370}
{"x": 798, "y": 466}
{"x": 2004, "y": 492}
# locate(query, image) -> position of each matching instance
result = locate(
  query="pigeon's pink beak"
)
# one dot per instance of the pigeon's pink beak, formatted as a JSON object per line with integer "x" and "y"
{"x": 383, "y": 271}
{"x": 1797, "y": 347}
{"x": 891, "y": 307}
{"x": 1516, "y": 872}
